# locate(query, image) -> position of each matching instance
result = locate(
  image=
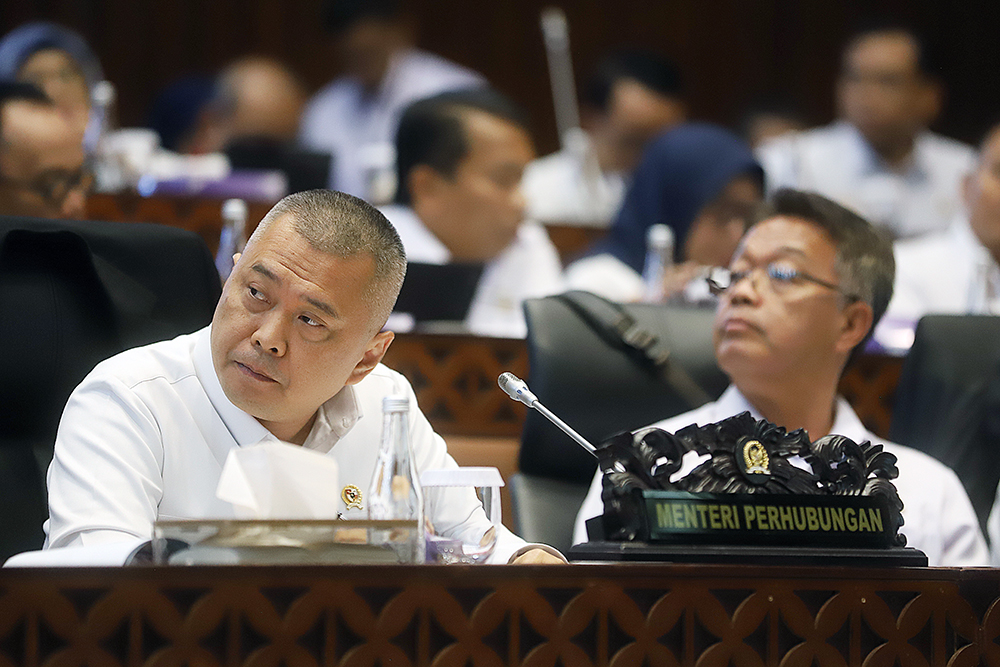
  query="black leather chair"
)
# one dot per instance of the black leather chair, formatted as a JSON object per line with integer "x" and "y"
{"x": 71, "y": 294}
{"x": 545, "y": 508}
{"x": 948, "y": 400}
{"x": 599, "y": 390}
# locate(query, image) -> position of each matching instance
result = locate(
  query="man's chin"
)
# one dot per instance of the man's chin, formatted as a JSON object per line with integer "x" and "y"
{"x": 248, "y": 399}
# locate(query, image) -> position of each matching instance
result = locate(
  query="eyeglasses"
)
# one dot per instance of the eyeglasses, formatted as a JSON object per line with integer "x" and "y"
{"x": 55, "y": 185}
{"x": 780, "y": 278}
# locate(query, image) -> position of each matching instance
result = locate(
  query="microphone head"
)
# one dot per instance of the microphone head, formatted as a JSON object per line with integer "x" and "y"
{"x": 516, "y": 388}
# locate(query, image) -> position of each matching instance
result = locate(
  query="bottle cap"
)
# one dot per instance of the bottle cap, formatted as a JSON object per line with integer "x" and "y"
{"x": 395, "y": 404}
{"x": 234, "y": 209}
{"x": 659, "y": 236}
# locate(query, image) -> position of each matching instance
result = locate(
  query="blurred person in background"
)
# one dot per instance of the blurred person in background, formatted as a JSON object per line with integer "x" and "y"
{"x": 629, "y": 99}
{"x": 355, "y": 116}
{"x": 879, "y": 158}
{"x": 461, "y": 158}
{"x": 42, "y": 171}
{"x": 253, "y": 97}
{"x": 700, "y": 180}
{"x": 955, "y": 271}
{"x": 57, "y": 61}
{"x": 177, "y": 110}
{"x": 770, "y": 118}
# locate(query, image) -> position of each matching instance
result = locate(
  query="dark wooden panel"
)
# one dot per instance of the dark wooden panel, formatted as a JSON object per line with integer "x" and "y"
{"x": 704, "y": 616}
{"x": 198, "y": 215}
{"x": 455, "y": 379}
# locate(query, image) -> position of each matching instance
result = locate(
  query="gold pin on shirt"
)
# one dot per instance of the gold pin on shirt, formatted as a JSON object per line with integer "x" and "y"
{"x": 351, "y": 495}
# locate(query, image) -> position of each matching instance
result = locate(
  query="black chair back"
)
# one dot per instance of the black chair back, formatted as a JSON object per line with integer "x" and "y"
{"x": 948, "y": 400}
{"x": 600, "y": 390}
{"x": 72, "y": 294}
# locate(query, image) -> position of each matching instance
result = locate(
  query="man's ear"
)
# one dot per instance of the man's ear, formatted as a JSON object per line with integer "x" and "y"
{"x": 424, "y": 183}
{"x": 372, "y": 356}
{"x": 857, "y": 320}
{"x": 931, "y": 101}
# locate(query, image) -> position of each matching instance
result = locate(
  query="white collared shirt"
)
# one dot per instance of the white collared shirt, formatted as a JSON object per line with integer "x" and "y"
{"x": 949, "y": 272}
{"x": 937, "y": 514}
{"x": 344, "y": 119}
{"x": 836, "y": 162}
{"x": 528, "y": 268}
{"x": 147, "y": 432}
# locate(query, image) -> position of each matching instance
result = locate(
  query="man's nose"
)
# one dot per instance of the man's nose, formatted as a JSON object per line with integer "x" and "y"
{"x": 270, "y": 336}
{"x": 74, "y": 206}
{"x": 745, "y": 288}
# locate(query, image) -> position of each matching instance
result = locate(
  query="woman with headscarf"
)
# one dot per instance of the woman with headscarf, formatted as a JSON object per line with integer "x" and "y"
{"x": 60, "y": 63}
{"x": 698, "y": 179}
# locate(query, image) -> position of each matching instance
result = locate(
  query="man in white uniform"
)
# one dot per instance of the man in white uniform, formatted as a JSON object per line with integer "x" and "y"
{"x": 630, "y": 98}
{"x": 355, "y": 116}
{"x": 461, "y": 158}
{"x": 292, "y": 355}
{"x": 803, "y": 290}
{"x": 879, "y": 158}
{"x": 956, "y": 271}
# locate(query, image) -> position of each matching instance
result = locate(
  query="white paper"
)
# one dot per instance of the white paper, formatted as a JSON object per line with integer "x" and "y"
{"x": 279, "y": 481}
{"x": 467, "y": 476}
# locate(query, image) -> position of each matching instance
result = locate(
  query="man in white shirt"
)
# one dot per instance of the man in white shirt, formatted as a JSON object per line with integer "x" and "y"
{"x": 630, "y": 98}
{"x": 879, "y": 158}
{"x": 355, "y": 116}
{"x": 802, "y": 292}
{"x": 955, "y": 271}
{"x": 292, "y": 355}
{"x": 461, "y": 158}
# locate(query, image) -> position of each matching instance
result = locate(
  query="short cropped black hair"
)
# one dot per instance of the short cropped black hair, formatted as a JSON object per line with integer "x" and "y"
{"x": 432, "y": 131}
{"x": 927, "y": 63}
{"x": 341, "y": 15}
{"x": 14, "y": 91}
{"x": 653, "y": 71}
{"x": 865, "y": 263}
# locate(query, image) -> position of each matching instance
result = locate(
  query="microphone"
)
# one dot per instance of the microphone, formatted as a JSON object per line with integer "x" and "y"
{"x": 518, "y": 390}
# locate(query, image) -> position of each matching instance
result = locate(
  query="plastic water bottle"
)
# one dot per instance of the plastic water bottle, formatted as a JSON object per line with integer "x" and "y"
{"x": 659, "y": 260}
{"x": 233, "y": 237}
{"x": 395, "y": 493}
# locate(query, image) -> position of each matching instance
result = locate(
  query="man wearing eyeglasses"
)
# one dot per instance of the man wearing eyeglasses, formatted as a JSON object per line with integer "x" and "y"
{"x": 42, "y": 170}
{"x": 803, "y": 291}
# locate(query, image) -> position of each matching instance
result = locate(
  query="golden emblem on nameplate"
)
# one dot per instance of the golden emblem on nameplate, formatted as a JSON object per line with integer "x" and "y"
{"x": 755, "y": 458}
{"x": 351, "y": 495}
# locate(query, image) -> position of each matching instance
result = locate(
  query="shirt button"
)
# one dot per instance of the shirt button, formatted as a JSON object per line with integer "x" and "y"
{"x": 345, "y": 422}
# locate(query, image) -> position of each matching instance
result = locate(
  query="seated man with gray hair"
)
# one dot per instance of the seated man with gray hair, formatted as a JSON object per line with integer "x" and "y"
{"x": 292, "y": 355}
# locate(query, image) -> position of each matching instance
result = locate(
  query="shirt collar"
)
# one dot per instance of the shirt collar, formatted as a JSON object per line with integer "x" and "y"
{"x": 418, "y": 240}
{"x": 845, "y": 420}
{"x": 961, "y": 231}
{"x": 871, "y": 163}
{"x": 335, "y": 418}
{"x": 244, "y": 428}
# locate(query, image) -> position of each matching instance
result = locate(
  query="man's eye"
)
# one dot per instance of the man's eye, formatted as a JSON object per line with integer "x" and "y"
{"x": 783, "y": 273}
{"x": 310, "y": 321}
{"x": 256, "y": 293}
